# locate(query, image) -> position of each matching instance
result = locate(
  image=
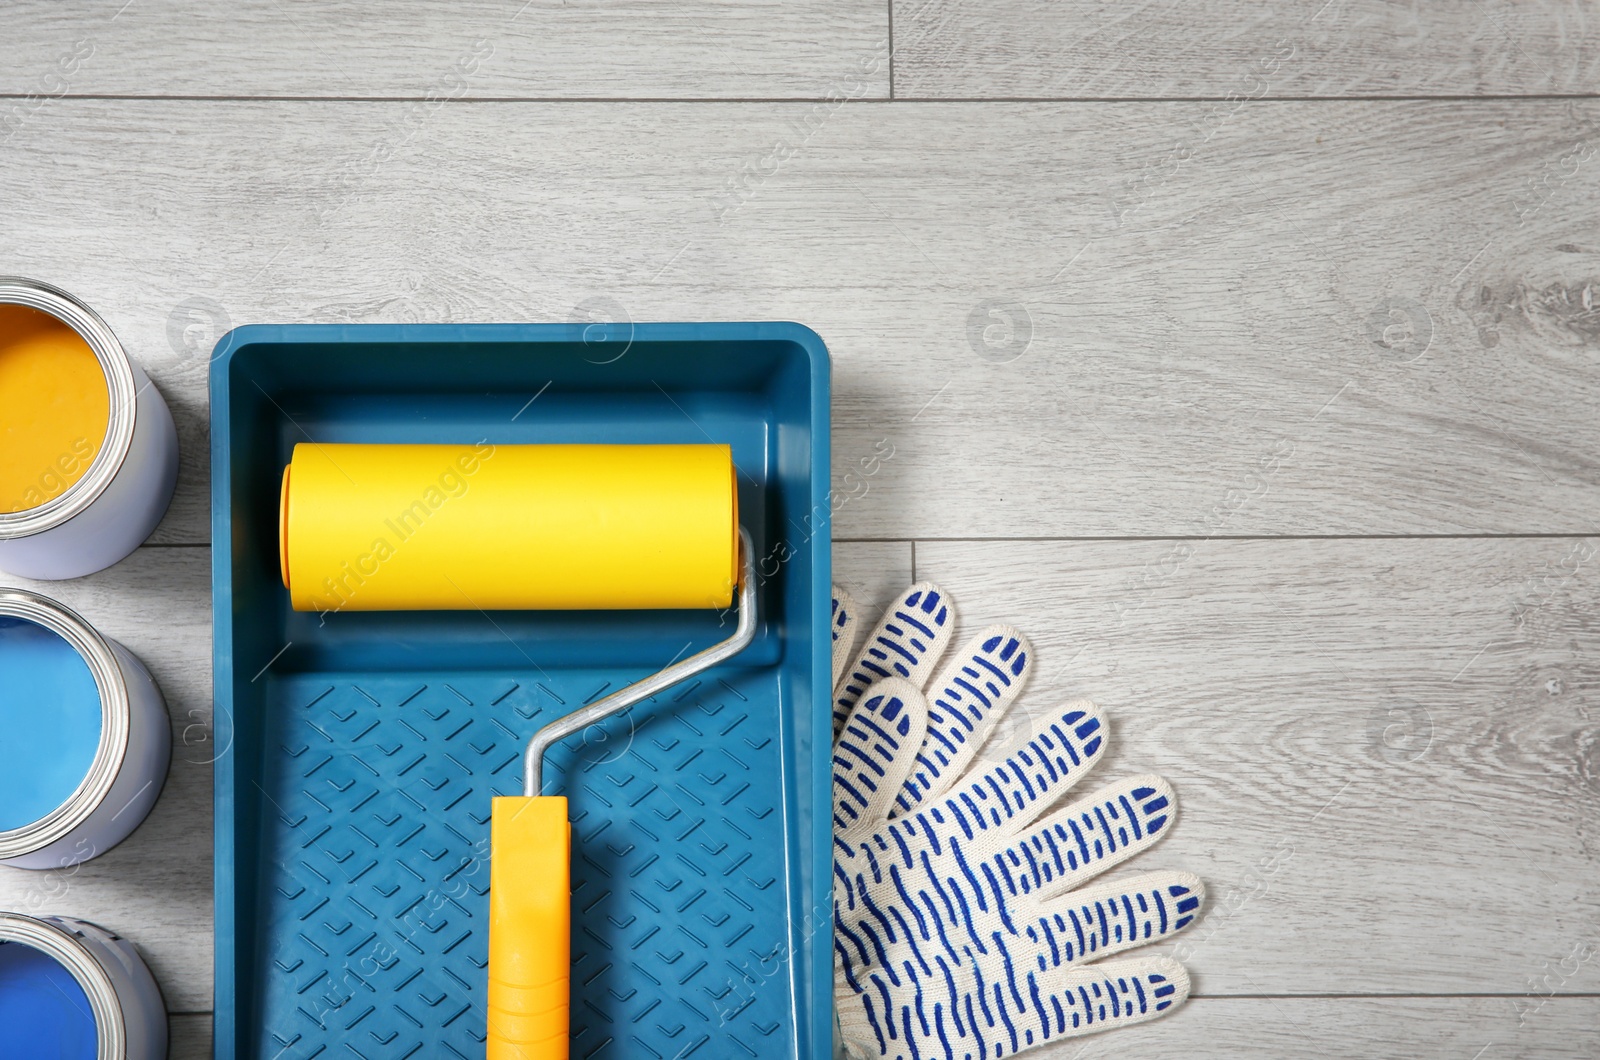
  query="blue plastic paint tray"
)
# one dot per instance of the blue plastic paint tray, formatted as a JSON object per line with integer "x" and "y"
{"x": 361, "y": 749}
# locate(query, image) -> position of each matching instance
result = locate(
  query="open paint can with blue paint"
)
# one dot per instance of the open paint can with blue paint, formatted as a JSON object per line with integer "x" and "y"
{"x": 75, "y": 991}
{"x": 84, "y": 736}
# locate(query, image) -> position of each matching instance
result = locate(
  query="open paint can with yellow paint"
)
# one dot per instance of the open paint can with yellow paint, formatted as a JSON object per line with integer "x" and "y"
{"x": 88, "y": 452}
{"x": 72, "y": 990}
{"x": 85, "y": 738}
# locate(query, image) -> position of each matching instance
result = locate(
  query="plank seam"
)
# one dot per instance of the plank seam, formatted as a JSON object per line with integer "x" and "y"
{"x": 891, "y": 48}
{"x": 1209, "y": 537}
{"x": 464, "y": 101}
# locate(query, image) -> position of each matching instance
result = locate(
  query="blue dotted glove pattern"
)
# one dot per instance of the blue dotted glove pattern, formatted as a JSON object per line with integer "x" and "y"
{"x": 969, "y": 922}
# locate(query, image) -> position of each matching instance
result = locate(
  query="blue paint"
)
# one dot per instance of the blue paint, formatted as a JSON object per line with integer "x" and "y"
{"x": 44, "y": 1012}
{"x": 49, "y": 718}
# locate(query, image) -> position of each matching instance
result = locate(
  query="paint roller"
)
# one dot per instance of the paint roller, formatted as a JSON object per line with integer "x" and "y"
{"x": 485, "y": 527}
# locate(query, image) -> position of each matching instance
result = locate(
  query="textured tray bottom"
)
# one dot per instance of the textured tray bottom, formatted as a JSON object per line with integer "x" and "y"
{"x": 374, "y": 868}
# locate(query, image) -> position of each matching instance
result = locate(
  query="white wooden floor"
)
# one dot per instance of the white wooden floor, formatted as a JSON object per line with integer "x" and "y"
{"x": 1246, "y": 355}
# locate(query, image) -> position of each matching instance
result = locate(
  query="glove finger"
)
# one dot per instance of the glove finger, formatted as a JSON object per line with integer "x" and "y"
{"x": 1061, "y": 747}
{"x": 978, "y": 891}
{"x": 873, "y": 754}
{"x": 1074, "y": 845}
{"x": 844, "y": 632}
{"x": 992, "y": 1006}
{"x": 1069, "y": 1002}
{"x": 980, "y": 900}
{"x": 906, "y": 643}
{"x": 972, "y": 693}
{"x": 1118, "y": 915}
{"x": 961, "y": 840}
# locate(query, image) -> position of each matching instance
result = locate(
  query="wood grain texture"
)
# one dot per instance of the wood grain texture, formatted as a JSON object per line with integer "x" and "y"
{"x": 1201, "y": 321}
{"x": 872, "y": 572}
{"x": 155, "y": 887}
{"x": 435, "y": 51}
{"x": 1387, "y": 752}
{"x": 189, "y": 1037}
{"x": 1096, "y": 49}
{"x": 1323, "y": 318}
{"x": 1354, "y": 1028}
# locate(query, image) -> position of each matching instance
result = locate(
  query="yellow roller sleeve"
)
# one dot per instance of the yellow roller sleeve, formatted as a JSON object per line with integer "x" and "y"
{"x": 530, "y": 921}
{"x": 493, "y": 527}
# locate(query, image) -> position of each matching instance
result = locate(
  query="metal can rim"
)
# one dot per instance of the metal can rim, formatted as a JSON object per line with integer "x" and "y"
{"x": 116, "y": 718}
{"x": 124, "y": 394}
{"x": 111, "y": 1033}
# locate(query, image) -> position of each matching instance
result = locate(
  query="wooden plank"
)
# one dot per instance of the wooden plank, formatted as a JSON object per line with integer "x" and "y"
{"x": 189, "y": 1037}
{"x": 1357, "y": 1028}
{"x": 1271, "y": 1028}
{"x": 437, "y": 51}
{"x": 1346, "y": 318}
{"x": 872, "y": 572}
{"x": 1383, "y": 749}
{"x": 1097, "y": 49}
{"x": 154, "y": 887}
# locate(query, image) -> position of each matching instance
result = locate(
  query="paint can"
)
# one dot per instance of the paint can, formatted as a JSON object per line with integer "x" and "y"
{"x": 75, "y": 497}
{"x": 86, "y": 733}
{"x": 72, "y": 989}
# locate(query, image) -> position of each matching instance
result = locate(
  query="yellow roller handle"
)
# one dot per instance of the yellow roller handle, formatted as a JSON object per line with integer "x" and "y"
{"x": 530, "y": 928}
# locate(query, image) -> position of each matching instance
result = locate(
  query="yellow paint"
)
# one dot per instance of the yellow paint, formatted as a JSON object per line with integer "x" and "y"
{"x": 54, "y": 407}
{"x": 530, "y": 928}
{"x": 402, "y": 527}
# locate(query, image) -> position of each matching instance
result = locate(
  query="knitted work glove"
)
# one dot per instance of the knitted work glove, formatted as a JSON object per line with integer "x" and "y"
{"x": 965, "y": 923}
